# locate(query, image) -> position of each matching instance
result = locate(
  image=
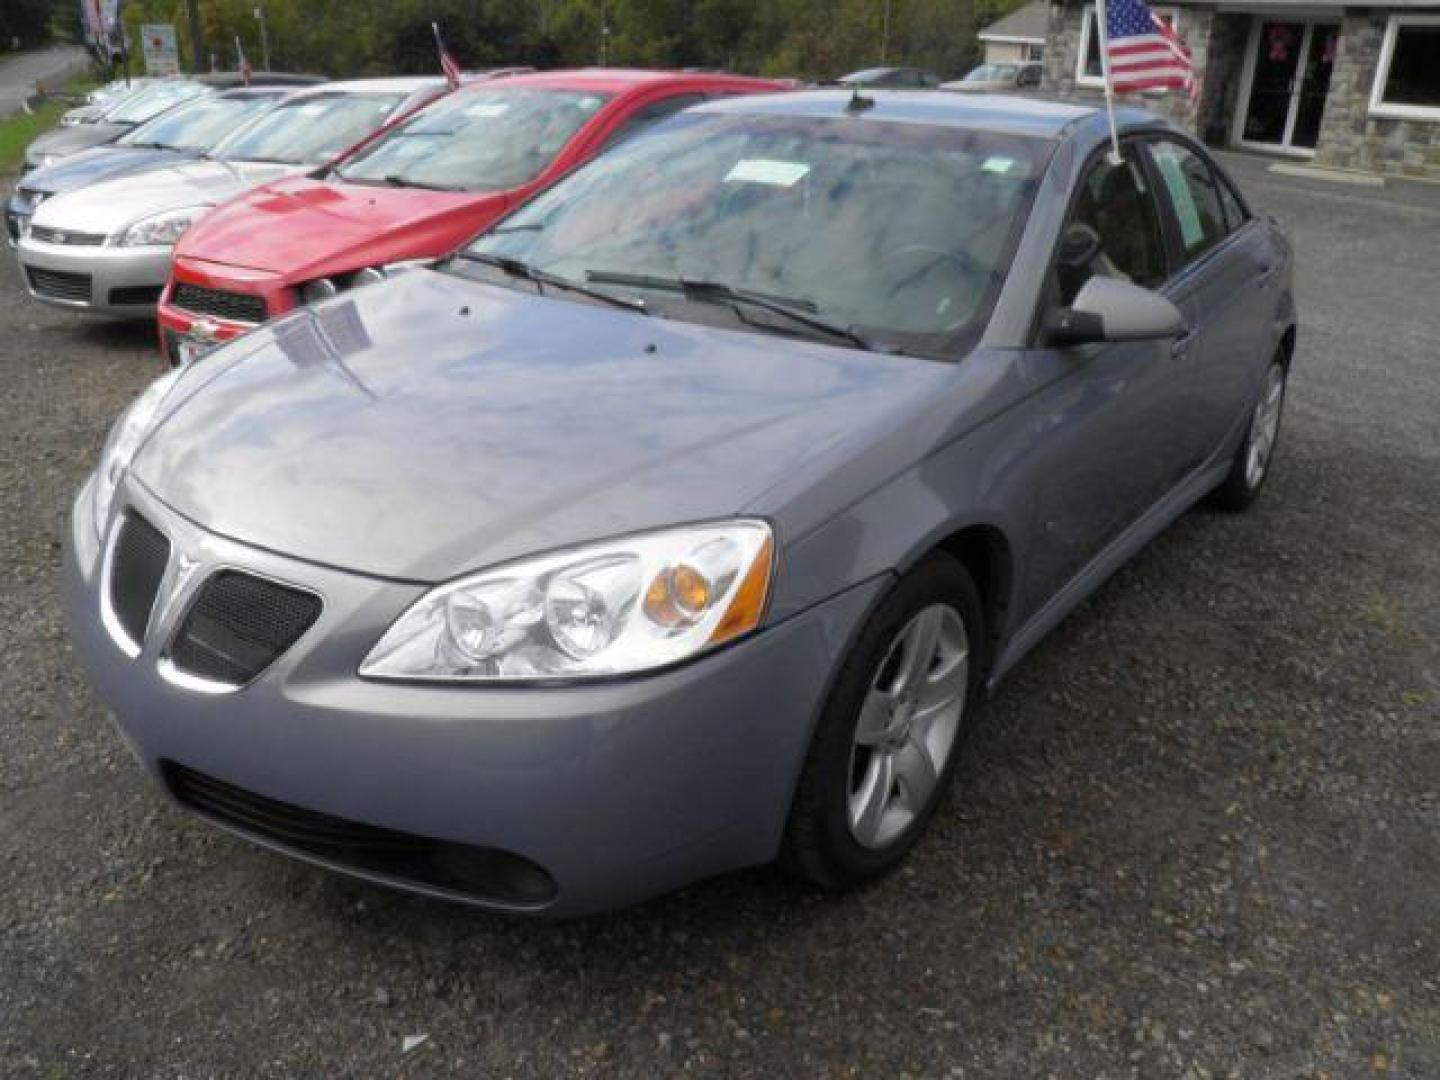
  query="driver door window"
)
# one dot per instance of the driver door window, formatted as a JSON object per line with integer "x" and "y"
{"x": 1117, "y": 204}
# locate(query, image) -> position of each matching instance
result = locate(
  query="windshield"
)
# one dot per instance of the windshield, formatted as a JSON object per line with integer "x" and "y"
{"x": 900, "y": 233}
{"x": 311, "y": 129}
{"x": 153, "y": 100}
{"x": 484, "y": 140}
{"x": 198, "y": 125}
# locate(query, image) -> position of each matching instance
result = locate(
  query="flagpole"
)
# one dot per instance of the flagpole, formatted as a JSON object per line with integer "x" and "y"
{"x": 1100, "y": 25}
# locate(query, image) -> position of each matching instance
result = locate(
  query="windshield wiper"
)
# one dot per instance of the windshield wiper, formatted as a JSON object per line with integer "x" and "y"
{"x": 524, "y": 226}
{"x": 796, "y": 309}
{"x": 396, "y": 180}
{"x": 540, "y": 279}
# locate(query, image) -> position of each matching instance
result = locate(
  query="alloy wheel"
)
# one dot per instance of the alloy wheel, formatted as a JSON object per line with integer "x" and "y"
{"x": 1265, "y": 426}
{"x": 908, "y": 725}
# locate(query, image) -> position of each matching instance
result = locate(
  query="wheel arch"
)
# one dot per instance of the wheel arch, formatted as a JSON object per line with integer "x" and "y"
{"x": 1287, "y": 346}
{"x": 987, "y": 555}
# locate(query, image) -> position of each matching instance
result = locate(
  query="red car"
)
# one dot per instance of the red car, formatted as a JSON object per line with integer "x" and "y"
{"x": 416, "y": 192}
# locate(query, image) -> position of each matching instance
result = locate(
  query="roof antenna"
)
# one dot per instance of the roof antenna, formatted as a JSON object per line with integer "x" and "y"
{"x": 858, "y": 102}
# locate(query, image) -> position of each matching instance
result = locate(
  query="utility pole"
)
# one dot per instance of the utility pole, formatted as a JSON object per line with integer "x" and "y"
{"x": 885, "y": 33}
{"x": 604, "y": 35}
{"x": 264, "y": 39}
{"x": 197, "y": 35}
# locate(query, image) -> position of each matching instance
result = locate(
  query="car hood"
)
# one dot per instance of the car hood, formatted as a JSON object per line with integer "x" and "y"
{"x": 111, "y": 205}
{"x": 97, "y": 164}
{"x": 302, "y": 227}
{"x": 62, "y": 142}
{"x": 430, "y": 425}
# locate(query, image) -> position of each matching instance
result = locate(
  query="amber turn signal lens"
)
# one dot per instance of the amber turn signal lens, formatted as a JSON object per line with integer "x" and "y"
{"x": 690, "y": 590}
{"x": 678, "y": 597}
{"x": 750, "y": 599}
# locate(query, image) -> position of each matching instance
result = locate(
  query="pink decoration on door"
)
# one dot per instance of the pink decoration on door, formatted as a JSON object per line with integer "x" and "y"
{"x": 1279, "y": 39}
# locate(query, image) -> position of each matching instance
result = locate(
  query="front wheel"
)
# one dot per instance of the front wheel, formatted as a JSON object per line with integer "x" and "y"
{"x": 1252, "y": 460}
{"x": 886, "y": 745}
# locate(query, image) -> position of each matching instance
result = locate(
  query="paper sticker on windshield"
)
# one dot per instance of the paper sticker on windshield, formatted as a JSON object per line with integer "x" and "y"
{"x": 492, "y": 108}
{"x": 1000, "y": 165}
{"x": 763, "y": 171}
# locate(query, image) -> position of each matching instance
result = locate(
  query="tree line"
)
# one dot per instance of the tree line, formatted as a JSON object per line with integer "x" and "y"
{"x": 802, "y": 38}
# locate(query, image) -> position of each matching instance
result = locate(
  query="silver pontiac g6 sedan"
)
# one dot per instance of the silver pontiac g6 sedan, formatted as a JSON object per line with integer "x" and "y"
{"x": 681, "y": 522}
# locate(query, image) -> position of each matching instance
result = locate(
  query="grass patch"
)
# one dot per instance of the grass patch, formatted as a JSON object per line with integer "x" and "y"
{"x": 17, "y": 132}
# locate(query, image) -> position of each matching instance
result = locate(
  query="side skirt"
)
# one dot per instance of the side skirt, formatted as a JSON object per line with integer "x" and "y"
{"x": 1111, "y": 558}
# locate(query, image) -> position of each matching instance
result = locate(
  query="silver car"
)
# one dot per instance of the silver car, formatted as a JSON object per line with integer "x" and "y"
{"x": 105, "y": 248}
{"x": 681, "y": 522}
{"x": 999, "y": 78}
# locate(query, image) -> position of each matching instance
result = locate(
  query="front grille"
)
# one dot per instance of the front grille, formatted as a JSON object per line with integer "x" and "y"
{"x": 219, "y": 303}
{"x": 137, "y": 567}
{"x": 238, "y": 625}
{"x": 59, "y": 285}
{"x": 64, "y": 236}
{"x": 485, "y": 873}
{"x": 136, "y": 295}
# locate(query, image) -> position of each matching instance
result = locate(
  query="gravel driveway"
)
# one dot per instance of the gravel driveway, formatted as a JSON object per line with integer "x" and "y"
{"x": 1196, "y": 834}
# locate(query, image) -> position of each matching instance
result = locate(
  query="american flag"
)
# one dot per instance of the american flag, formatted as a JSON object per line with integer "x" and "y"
{"x": 447, "y": 62}
{"x": 245, "y": 70}
{"x": 1144, "y": 51}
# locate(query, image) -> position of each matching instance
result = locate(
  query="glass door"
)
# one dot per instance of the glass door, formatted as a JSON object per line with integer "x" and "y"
{"x": 1291, "y": 63}
{"x": 1314, "y": 85}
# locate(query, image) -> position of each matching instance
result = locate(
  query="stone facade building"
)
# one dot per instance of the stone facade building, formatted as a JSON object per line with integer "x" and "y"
{"x": 1347, "y": 87}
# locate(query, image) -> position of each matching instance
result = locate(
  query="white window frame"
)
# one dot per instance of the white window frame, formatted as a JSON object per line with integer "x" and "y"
{"x": 1394, "y": 110}
{"x": 1087, "y": 28}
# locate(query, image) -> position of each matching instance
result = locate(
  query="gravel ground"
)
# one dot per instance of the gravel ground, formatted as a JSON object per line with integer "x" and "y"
{"x": 1195, "y": 835}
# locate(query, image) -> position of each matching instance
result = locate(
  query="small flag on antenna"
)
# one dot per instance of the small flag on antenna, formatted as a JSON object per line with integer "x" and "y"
{"x": 447, "y": 62}
{"x": 244, "y": 63}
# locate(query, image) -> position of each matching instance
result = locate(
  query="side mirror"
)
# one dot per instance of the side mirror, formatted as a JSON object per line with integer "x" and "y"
{"x": 1108, "y": 309}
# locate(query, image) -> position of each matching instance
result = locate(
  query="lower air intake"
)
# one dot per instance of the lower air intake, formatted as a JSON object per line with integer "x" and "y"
{"x": 482, "y": 873}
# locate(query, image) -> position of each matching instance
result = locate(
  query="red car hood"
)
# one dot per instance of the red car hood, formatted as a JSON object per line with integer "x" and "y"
{"x": 302, "y": 228}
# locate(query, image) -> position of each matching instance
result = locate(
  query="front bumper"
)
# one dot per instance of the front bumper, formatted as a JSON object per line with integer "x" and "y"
{"x": 104, "y": 280}
{"x": 185, "y": 330}
{"x": 617, "y": 790}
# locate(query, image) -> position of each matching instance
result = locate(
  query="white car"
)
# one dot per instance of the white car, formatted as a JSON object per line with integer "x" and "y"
{"x": 106, "y": 248}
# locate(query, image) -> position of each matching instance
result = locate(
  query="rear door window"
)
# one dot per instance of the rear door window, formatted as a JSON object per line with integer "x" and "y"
{"x": 1194, "y": 195}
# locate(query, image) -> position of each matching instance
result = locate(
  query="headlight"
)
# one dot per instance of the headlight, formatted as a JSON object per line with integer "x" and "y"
{"x": 324, "y": 288}
{"x": 124, "y": 439}
{"x": 604, "y": 609}
{"x": 161, "y": 230}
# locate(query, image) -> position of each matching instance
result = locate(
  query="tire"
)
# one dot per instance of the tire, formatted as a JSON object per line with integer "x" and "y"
{"x": 1256, "y": 453}
{"x": 843, "y": 829}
